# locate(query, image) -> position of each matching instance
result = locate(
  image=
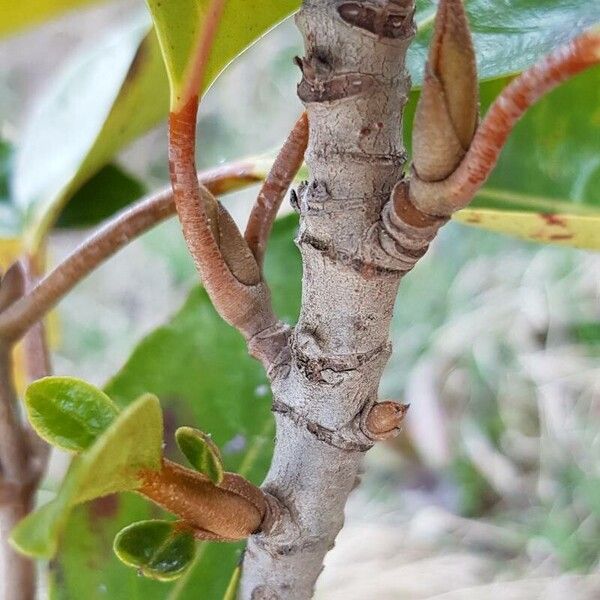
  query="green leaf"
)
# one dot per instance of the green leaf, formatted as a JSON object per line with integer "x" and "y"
{"x": 109, "y": 97}
{"x": 38, "y": 534}
{"x": 9, "y": 216}
{"x": 133, "y": 443}
{"x": 25, "y": 13}
{"x": 202, "y": 453}
{"x": 100, "y": 102}
{"x": 181, "y": 28}
{"x": 200, "y": 368}
{"x": 508, "y": 36}
{"x": 68, "y": 413}
{"x": 110, "y": 190}
{"x": 161, "y": 550}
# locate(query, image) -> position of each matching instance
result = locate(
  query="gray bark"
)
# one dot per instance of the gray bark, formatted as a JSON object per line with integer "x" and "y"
{"x": 354, "y": 252}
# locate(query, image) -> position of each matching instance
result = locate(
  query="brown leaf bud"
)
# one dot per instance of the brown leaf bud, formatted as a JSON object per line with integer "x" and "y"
{"x": 231, "y": 511}
{"x": 384, "y": 419}
{"x": 447, "y": 112}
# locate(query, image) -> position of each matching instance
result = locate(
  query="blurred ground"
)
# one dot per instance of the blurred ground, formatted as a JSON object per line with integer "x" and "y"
{"x": 493, "y": 490}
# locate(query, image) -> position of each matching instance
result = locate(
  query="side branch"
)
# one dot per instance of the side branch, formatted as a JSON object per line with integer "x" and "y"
{"x": 280, "y": 177}
{"x": 229, "y": 271}
{"x": 107, "y": 241}
{"x": 456, "y": 191}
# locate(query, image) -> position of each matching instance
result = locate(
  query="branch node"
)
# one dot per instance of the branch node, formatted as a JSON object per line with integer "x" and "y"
{"x": 383, "y": 419}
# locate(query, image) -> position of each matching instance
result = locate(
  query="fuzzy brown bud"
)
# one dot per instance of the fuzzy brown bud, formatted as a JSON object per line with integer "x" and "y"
{"x": 384, "y": 419}
{"x": 447, "y": 112}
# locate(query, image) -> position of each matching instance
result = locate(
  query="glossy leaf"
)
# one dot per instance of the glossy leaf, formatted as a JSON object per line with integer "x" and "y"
{"x": 188, "y": 363}
{"x": 25, "y": 13}
{"x": 161, "y": 550}
{"x": 133, "y": 443}
{"x": 107, "y": 98}
{"x": 508, "y": 36}
{"x": 99, "y": 103}
{"x": 182, "y": 28}
{"x": 68, "y": 413}
{"x": 202, "y": 453}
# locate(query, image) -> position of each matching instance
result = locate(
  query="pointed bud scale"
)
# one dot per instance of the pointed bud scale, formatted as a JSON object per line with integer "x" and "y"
{"x": 457, "y": 189}
{"x": 447, "y": 112}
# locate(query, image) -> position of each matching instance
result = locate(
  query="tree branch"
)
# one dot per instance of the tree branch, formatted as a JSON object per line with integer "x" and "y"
{"x": 354, "y": 88}
{"x": 108, "y": 240}
{"x": 280, "y": 177}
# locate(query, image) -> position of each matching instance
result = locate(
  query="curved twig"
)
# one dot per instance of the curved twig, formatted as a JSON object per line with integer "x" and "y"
{"x": 455, "y": 192}
{"x": 108, "y": 240}
{"x": 269, "y": 199}
{"x": 228, "y": 269}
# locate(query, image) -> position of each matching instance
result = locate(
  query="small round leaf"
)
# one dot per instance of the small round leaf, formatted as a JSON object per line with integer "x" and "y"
{"x": 69, "y": 413}
{"x": 201, "y": 452}
{"x": 161, "y": 550}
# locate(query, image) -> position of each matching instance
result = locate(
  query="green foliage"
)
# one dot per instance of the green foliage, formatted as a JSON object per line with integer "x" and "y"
{"x": 102, "y": 99}
{"x": 107, "y": 192}
{"x": 234, "y": 583}
{"x": 201, "y": 452}
{"x": 118, "y": 91}
{"x": 131, "y": 444}
{"x": 160, "y": 550}
{"x": 475, "y": 494}
{"x": 9, "y": 217}
{"x": 200, "y": 368}
{"x": 25, "y": 13}
{"x": 68, "y": 413}
{"x": 549, "y": 166}
{"x": 508, "y": 36}
{"x": 181, "y": 27}
{"x": 105, "y": 99}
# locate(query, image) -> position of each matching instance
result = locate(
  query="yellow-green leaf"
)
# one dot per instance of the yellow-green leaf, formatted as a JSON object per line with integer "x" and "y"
{"x": 565, "y": 229}
{"x": 108, "y": 98}
{"x": 160, "y": 550}
{"x": 25, "y": 13}
{"x": 68, "y": 413}
{"x": 209, "y": 32}
{"x": 133, "y": 443}
{"x": 202, "y": 453}
{"x": 549, "y": 166}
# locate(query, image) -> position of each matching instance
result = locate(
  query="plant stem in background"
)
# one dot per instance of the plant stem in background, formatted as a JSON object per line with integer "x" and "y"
{"x": 17, "y": 487}
{"x": 108, "y": 240}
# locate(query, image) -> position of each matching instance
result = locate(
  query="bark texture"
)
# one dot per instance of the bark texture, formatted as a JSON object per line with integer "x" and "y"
{"x": 17, "y": 482}
{"x": 354, "y": 252}
{"x": 17, "y": 575}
